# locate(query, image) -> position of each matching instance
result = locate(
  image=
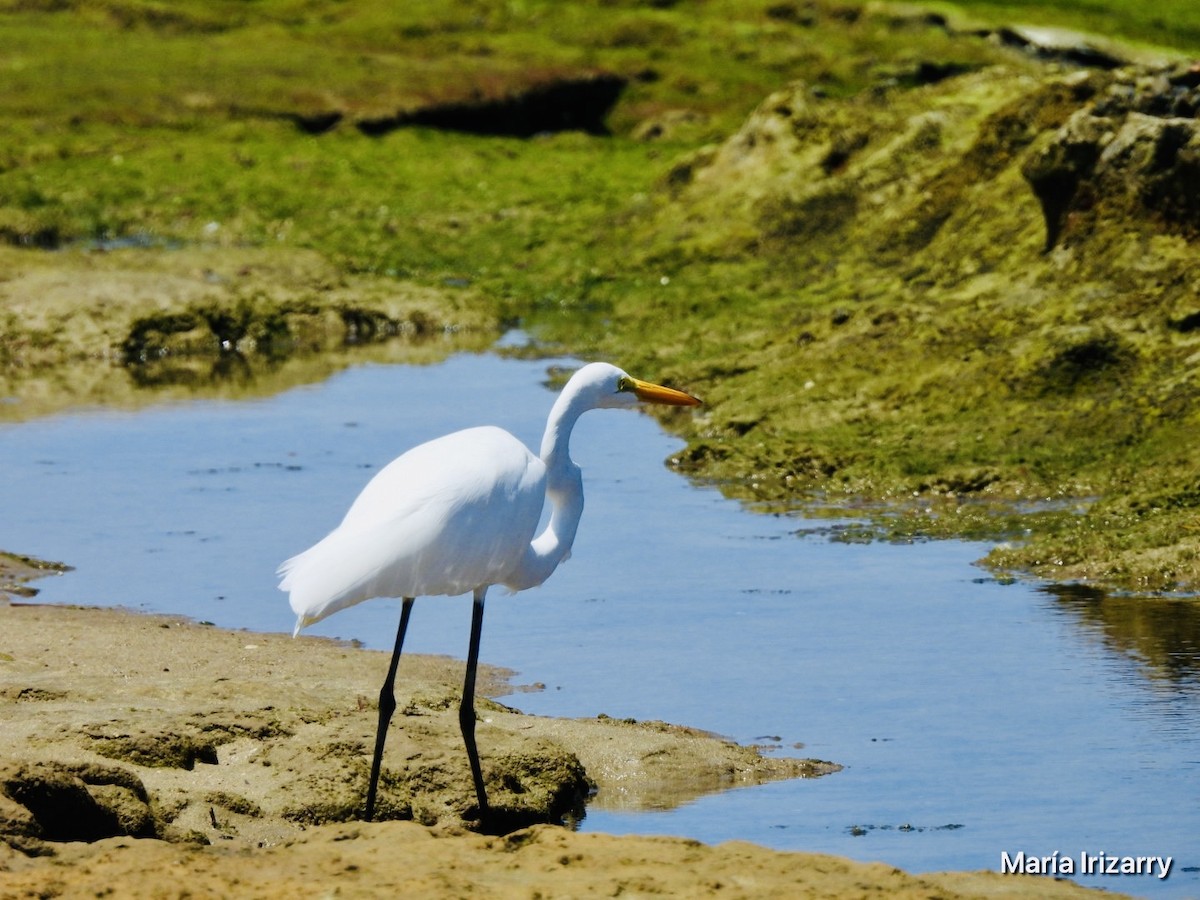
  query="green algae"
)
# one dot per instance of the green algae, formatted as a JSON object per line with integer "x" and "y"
{"x": 862, "y": 274}
{"x": 928, "y": 346}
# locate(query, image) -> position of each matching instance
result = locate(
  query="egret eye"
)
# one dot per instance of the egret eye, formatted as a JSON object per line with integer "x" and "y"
{"x": 624, "y": 384}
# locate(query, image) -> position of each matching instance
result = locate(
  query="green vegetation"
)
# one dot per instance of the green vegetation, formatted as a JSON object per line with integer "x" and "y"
{"x": 853, "y": 274}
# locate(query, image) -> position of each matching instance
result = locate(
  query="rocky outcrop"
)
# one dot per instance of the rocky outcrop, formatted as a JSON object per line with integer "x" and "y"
{"x": 1059, "y": 44}
{"x": 50, "y": 801}
{"x": 1134, "y": 151}
{"x": 898, "y": 167}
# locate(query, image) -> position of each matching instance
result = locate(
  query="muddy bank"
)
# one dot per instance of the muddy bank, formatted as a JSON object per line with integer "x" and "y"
{"x": 250, "y": 738}
{"x": 403, "y": 859}
{"x": 136, "y": 745}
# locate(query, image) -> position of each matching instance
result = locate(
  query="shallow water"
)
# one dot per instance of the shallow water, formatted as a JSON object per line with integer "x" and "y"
{"x": 972, "y": 717}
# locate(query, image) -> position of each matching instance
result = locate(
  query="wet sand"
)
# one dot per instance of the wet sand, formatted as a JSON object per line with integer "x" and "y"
{"x": 163, "y": 757}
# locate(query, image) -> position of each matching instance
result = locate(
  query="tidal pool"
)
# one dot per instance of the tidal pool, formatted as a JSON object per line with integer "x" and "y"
{"x": 973, "y": 718}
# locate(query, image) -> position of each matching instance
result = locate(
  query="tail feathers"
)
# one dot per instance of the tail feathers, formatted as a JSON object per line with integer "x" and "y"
{"x": 319, "y": 583}
{"x": 287, "y": 571}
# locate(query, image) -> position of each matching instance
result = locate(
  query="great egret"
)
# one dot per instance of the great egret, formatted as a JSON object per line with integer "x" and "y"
{"x": 459, "y": 514}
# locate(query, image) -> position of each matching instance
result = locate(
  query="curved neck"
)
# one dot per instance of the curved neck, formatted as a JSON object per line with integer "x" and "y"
{"x": 564, "y": 490}
{"x": 556, "y": 441}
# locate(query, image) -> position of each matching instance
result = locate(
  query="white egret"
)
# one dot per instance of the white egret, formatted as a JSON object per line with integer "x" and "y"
{"x": 459, "y": 514}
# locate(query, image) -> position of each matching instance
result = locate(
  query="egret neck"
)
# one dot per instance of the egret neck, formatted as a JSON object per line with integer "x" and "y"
{"x": 564, "y": 490}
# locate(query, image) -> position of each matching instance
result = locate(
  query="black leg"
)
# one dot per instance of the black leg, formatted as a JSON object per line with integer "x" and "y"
{"x": 387, "y": 706}
{"x": 466, "y": 711}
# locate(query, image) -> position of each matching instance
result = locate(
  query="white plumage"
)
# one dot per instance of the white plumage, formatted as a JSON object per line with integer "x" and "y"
{"x": 446, "y": 517}
{"x": 458, "y": 514}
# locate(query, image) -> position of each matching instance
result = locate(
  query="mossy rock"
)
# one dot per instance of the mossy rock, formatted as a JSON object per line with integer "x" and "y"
{"x": 159, "y": 750}
{"x": 59, "y": 802}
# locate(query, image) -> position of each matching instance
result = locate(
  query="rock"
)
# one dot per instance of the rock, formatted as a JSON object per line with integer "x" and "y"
{"x": 160, "y": 748}
{"x": 1058, "y": 170}
{"x": 1129, "y": 153}
{"x": 1062, "y": 44}
{"x": 77, "y": 802}
{"x": 668, "y": 124}
{"x": 17, "y": 570}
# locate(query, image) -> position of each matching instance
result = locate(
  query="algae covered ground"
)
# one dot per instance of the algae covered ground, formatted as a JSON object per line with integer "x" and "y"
{"x": 921, "y": 262}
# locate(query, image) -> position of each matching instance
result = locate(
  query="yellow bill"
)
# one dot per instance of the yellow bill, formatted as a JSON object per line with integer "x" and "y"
{"x": 656, "y": 393}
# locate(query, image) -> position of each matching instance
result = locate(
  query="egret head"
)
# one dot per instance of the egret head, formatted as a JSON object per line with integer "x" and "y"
{"x": 606, "y": 387}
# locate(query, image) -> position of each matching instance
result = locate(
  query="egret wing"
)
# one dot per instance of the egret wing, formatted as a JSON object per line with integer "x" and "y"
{"x": 448, "y": 516}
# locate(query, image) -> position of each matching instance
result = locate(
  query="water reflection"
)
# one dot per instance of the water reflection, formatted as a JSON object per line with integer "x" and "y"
{"x": 228, "y": 375}
{"x": 227, "y": 368}
{"x": 1162, "y": 635}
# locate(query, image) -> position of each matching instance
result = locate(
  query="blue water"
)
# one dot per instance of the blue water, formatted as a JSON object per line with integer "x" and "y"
{"x": 972, "y": 717}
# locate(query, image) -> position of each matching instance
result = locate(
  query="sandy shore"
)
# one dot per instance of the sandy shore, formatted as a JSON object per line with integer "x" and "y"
{"x": 162, "y": 757}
